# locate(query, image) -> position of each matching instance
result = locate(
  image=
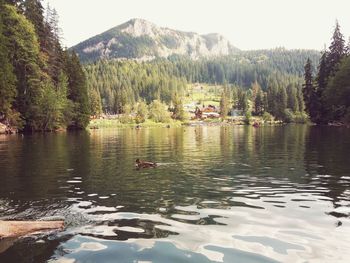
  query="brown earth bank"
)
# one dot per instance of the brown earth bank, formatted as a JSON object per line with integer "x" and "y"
{"x": 9, "y": 229}
{"x": 6, "y": 129}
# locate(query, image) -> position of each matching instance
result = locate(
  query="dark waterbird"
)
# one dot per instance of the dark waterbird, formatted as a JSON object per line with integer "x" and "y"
{"x": 143, "y": 164}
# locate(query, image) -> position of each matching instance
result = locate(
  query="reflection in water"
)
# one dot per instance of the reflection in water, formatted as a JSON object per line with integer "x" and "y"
{"x": 220, "y": 194}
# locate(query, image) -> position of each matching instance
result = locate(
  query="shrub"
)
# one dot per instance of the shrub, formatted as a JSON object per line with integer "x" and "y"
{"x": 141, "y": 112}
{"x": 288, "y": 116}
{"x": 158, "y": 112}
{"x": 126, "y": 117}
{"x": 301, "y": 117}
{"x": 248, "y": 117}
{"x": 267, "y": 117}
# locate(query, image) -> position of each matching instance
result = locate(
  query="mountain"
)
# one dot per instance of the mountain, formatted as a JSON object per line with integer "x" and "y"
{"x": 142, "y": 40}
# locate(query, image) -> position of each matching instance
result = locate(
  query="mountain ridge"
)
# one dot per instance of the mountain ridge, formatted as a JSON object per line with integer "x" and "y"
{"x": 142, "y": 40}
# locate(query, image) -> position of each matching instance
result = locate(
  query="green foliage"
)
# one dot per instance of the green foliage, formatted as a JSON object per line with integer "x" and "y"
{"x": 158, "y": 112}
{"x": 141, "y": 112}
{"x": 337, "y": 93}
{"x": 311, "y": 99}
{"x": 14, "y": 119}
{"x": 336, "y": 50}
{"x": 288, "y": 116}
{"x": 37, "y": 90}
{"x": 126, "y": 117}
{"x": 248, "y": 118}
{"x": 277, "y": 99}
{"x": 224, "y": 102}
{"x": 292, "y": 95}
{"x": 178, "y": 111}
{"x": 300, "y": 117}
{"x": 242, "y": 100}
{"x": 23, "y": 48}
{"x": 8, "y": 90}
{"x": 126, "y": 82}
{"x": 295, "y": 117}
{"x": 257, "y": 98}
{"x": 329, "y": 100}
{"x": 52, "y": 105}
{"x": 267, "y": 117}
{"x": 95, "y": 102}
{"x": 34, "y": 12}
{"x": 77, "y": 91}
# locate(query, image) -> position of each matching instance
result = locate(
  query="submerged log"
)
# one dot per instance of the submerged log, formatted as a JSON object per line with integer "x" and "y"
{"x": 13, "y": 229}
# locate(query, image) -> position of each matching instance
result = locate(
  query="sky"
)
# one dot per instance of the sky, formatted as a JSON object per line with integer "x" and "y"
{"x": 248, "y": 24}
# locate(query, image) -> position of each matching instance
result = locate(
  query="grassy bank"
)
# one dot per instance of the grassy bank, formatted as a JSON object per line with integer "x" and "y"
{"x": 115, "y": 123}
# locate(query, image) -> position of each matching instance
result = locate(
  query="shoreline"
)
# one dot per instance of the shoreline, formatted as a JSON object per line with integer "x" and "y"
{"x": 107, "y": 124}
{"x": 102, "y": 124}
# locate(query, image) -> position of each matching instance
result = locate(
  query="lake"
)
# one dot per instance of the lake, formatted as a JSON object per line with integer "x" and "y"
{"x": 220, "y": 194}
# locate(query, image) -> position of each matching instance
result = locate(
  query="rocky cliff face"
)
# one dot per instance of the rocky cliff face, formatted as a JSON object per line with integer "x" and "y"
{"x": 143, "y": 40}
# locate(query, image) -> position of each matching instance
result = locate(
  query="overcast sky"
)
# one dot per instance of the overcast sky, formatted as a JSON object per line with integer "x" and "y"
{"x": 248, "y": 24}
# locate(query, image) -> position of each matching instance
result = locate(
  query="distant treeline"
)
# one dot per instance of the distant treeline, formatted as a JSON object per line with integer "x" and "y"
{"x": 327, "y": 95}
{"x": 115, "y": 84}
{"x": 42, "y": 86}
{"x": 243, "y": 68}
{"x": 276, "y": 76}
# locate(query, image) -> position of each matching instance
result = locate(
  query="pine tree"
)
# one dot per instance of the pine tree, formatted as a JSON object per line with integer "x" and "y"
{"x": 336, "y": 50}
{"x": 281, "y": 104}
{"x": 23, "y": 48}
{"x": 51, "y": 45}
{"x": 272, "y": 94}
{"x": 257, "y": 98}
{"x": 337, "y": 94}
{"x": 224, "y": 102}
{"x": 300, "y": 98}
{"x": 328, "y": 66}
{"x": 292, "y": 101}
{"x": 258, "y": 104}
{"x": 95, "y": 102}
{"x": 347, "y": 48}
{"x": 265, "y": 102}
{"x": 34, "y": 12}
{"x": 77, "y": 91}
{"x": 7, "y": 78}
{"x": 311, "y": 98}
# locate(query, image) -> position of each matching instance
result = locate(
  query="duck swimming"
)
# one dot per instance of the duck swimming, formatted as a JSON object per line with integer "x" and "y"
{"x": 143, "y": 164}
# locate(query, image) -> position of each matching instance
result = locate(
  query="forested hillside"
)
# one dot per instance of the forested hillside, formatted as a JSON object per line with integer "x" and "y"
{"x": 42, "y": 86}
{"x": 276, "y": 73}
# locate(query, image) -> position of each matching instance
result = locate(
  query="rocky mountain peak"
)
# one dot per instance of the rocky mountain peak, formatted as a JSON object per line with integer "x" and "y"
{"x": 143, "y": 40}
{"x": 139, "y": 27}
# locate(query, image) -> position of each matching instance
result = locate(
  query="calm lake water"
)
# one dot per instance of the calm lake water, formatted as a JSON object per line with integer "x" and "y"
{"x": 220, "y": 194}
